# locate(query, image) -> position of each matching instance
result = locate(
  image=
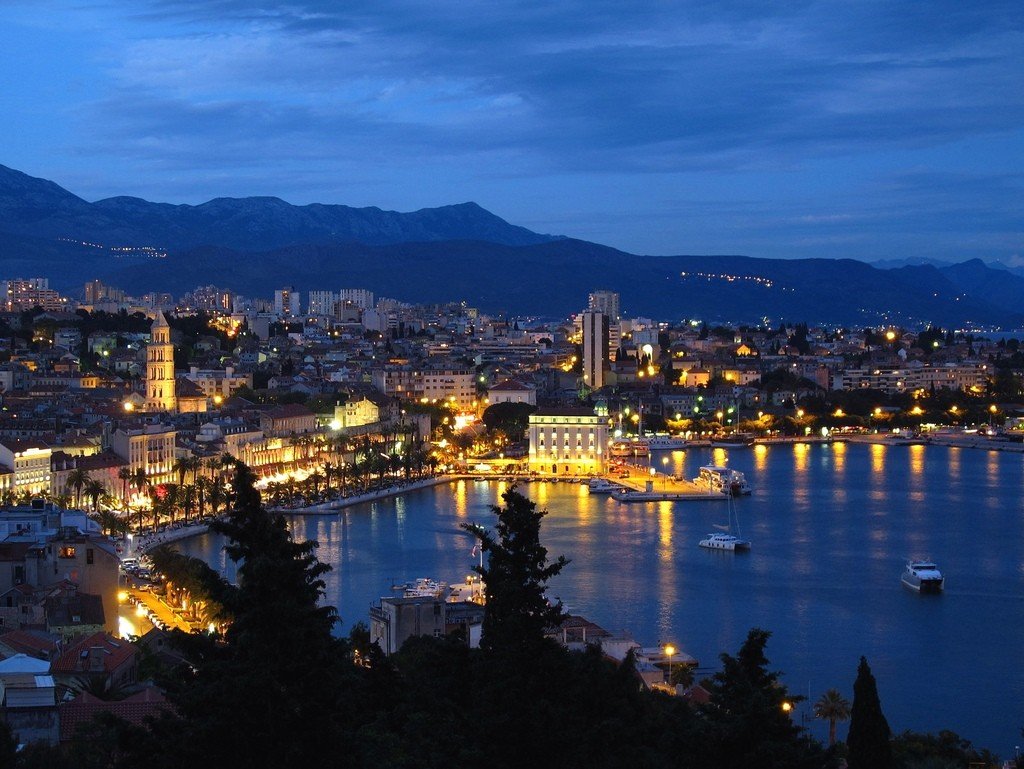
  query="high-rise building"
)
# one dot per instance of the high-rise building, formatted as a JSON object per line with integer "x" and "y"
{"x": 322, "y": 302}
{"x": 595, "y": 348}
{"x": 160, "y": 394}
{"x": 607, "y": 302}
{"x": 287, "y": 301}
{"x": 26, "y": 293}
{"x": 360, "y": 297}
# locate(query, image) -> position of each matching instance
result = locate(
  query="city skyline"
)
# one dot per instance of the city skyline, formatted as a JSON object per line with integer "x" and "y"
{"x": 867, "y": 132}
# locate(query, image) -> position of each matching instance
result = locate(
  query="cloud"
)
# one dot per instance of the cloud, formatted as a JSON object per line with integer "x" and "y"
{"x": 732, "y": 125}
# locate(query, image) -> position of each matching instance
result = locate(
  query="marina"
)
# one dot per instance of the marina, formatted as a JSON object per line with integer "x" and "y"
{"x": 833, "y": 524}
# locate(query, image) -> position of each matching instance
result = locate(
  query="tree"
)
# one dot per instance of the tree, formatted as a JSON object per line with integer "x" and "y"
{"x": 274, "y": 693}
{"x": 515, "y": 577}
{"x": 869, "y": 735}
{"x": 95, "y": 489}
{"x": 832, "y": 707}
{"x": 125, "y": 475}
{"x": 77, "y": 479}
{"x": 750, "y": 715}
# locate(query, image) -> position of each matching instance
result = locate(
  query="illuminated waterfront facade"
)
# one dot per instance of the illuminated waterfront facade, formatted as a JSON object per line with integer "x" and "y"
{"x": 568, "y": 441}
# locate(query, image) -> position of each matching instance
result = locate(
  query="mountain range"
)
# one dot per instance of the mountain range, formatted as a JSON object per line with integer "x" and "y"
{"x": 463, "y": 252}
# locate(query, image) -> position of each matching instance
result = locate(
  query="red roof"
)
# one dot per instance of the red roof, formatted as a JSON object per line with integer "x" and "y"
{"x": 134, "y": 709}
{"x": 76, "y": 659}
{"x": 29, "y": 643}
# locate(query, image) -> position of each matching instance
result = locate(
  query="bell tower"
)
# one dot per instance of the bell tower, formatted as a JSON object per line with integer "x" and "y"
{"x": 160, "y": 394}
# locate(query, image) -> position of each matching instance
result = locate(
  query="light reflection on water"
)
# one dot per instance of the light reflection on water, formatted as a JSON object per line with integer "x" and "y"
{"x": 831, "y": 527}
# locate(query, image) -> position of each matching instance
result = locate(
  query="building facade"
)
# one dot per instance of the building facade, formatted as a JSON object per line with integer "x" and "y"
{"x": 595, "y": 348}
{"x": 568, "y": 441}
{"x": 160, "y": 394}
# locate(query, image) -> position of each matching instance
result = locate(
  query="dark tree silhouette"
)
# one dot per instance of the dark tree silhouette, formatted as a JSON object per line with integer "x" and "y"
{"x": 868, "y": 739}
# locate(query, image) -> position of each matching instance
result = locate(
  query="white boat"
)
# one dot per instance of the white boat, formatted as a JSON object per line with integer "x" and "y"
{"x": 726, "y": 540}
{"x": 665, "y": 443}
{"x": 601, "y": 486}
{"x": 722, "y": 541}
{"x": 923, "y": 576}
{"x": 723, "y": 480}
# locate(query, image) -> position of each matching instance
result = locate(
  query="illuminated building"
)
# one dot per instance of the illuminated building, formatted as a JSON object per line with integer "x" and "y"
{"x": 160, "y": 395}
{"x": 568, "y": 441}
{"x": 595, "y": 348}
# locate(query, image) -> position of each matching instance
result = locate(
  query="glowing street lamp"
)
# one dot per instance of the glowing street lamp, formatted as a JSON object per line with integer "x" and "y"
{"x": 670, "y": 652}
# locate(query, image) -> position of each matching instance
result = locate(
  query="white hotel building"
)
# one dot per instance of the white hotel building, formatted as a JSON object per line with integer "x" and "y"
{"x": 568, "y": 441}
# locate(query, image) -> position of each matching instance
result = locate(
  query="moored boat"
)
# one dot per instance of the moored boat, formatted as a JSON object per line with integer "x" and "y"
{"x": 601, "y": 486}
{"x": 723, "y": 480}
{"x": 722, "y": 541}
{"x": 733, "y": 441}
{"x": 665, "y": 443}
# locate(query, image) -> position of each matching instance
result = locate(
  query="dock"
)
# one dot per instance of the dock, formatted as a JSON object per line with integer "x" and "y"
{"x": 640, "y": 486}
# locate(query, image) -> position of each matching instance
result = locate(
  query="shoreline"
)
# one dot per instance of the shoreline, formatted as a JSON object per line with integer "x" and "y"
{"x": 335, "y": 505}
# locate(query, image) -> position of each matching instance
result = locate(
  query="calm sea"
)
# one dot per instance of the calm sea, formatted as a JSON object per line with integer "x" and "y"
{"x": 831, "y": 527}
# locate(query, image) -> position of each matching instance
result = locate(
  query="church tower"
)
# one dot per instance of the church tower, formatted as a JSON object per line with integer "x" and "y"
{"x": 160, "y": 367}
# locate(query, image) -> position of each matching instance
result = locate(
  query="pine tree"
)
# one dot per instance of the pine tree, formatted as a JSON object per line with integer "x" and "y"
{"x": 868, "y": 739}
{"x": 515, "y": 577}
{"x": 750, "y": 715}
{"x": 275, "y": 692}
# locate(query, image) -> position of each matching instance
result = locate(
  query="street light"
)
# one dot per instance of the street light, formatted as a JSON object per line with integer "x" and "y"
{"x": 664, "y": 469}
{"x": 670, "y": 652}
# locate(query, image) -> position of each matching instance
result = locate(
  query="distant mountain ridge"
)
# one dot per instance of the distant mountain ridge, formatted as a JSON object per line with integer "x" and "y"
{"x": 254, "y": 245}
{"x": 40, "y": 208}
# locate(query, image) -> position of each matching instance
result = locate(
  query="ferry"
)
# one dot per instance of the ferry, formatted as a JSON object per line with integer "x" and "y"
{"x": 722, "y": 541}
{"x": 723, "y": 480}
{"x": 923, "y": 576}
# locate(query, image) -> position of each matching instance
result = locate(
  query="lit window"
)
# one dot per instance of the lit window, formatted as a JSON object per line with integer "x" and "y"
{"x": 67, "y": 552}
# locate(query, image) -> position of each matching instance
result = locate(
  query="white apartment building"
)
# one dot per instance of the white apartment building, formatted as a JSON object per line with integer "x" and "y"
{"x": 457, "y": 387}
{"x": 360, "y": 297}
{"x": 322, "y": 302}
{"x": 287, "y": 302}
{"x": 148, "y": 447}
{"x": 949, "y": 376}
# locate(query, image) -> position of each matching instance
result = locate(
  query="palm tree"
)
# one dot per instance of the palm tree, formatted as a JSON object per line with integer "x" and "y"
{"x": 139, "y": 481}
{"x": 182, "y": 466}
{"x": 187, "y": 499}
{"x": 125, "y": 474}
{"x": 95, "y": 489}
{"x": 832, "y": 707}
{"x": 202, "y": 488}
{"x": 77, "y": 479}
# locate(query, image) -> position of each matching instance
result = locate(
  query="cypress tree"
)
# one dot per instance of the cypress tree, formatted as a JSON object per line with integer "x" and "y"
{"x": 869, "y": 735}
{"x": 515, "y": 577}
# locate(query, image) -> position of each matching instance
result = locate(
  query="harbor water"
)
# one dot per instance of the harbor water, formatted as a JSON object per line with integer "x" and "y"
{"x": 831, "y": 527}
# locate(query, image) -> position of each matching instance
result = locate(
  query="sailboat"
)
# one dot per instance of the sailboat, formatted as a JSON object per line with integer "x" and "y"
{"x": 726, "y": 540}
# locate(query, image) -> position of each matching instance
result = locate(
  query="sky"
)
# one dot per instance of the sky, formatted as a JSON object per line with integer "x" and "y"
{"x": 867, "y": 130}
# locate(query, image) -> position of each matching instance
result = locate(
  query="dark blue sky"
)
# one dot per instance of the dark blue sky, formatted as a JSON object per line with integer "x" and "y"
{"x": 870, "y": 130}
